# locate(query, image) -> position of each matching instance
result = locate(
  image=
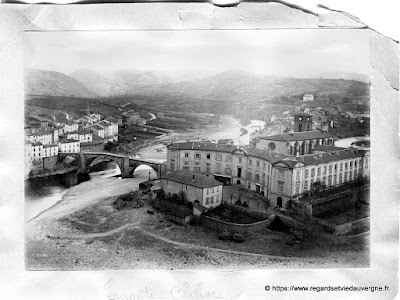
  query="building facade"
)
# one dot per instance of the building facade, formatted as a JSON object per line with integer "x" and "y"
{"x": 280, "y": 178}
{"x": 197, "y": 188}
{"x": 69, "y": 146}
{"x": 296, "y": 143}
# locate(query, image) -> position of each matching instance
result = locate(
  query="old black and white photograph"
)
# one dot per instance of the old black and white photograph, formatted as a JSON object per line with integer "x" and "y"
{"x": 197, "y": 149}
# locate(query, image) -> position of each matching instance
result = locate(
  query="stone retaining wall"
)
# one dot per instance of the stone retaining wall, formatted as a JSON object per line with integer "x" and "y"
{"x": 245, "y": 229}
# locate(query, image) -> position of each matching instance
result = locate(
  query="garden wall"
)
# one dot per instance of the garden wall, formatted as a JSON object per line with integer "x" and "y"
{"x": 245, "y": 229}
{"x": 345, "y": 227}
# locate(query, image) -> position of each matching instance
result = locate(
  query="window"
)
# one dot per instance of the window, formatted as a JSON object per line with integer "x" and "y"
{"x": 306, "y": 173}
{"x": 257, "y": 163}
{"x": 197, "y": 164}
{"x": 197, "y": 156}
{"x": 305, "y": 185}
{"x": 319, "y": 171}
{"x": 250, "y": 162}
{"x": 217, "y": 199}
{"x": 345, "y": 165}
{"x": 206, "y": 200}
{"x": 218, "y": 157}
{"x": 264, "y": 166}
{"x": 324, "y": 170}
{"x": 341, "y": 167}
{"x": 330, "y": 169}
{"x": 257, "y": 177}
{"x": 208, "y": 156}
{"x": 187, "y": 154}
{"x": 297, "y": 176}
{"x": 249, "y": 176}
{"x": 228, "y": 158}
{"x": 212, "y": 199}
{"x": 281, "y": 174}
{"x": 240, "y": 160}
{"x": 355, "y": 164}
{"x": 281, "y": 187}
{"x": 228, "y": 171}
{"x": 208, "y": 191}
{"x": 212, "y": 190}
{"x": 217, "y": 188}
{"x": 218, "y": 168}
{"x": 312, "y": 172}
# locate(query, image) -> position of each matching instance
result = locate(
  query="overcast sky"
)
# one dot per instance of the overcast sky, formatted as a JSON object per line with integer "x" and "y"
{"x": 274, "y": 52}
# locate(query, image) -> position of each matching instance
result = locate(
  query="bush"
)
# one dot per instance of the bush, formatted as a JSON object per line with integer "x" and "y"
{"x": 224, "y": 235}
{"x": 238, "y": 238}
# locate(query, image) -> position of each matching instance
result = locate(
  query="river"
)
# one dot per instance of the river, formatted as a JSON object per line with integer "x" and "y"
{"x": 43, "y": 193}
{"x": 228, "y": 129}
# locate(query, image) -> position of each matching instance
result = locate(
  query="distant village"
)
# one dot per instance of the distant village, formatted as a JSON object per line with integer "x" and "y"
{"x": 47, "y": 136}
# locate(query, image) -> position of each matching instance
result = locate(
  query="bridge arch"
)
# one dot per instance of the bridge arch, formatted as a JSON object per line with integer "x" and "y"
{"x": 134, "y": 165}
{"x": 92, "y": 161}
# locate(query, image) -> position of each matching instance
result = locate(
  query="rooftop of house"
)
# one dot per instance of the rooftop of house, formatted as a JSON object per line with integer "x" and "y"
{"x": 206, "y": 146}
{"x": 303, "y": 114}
{"x": 209, "y": 146}
{"x": 37, "y": 144}
{"x": 323, "y": 158}
{"x": 97, "y": 127}
{"x": 298, "y": 136}
{"x": 50, "y": 146}
{"x": 192, "y": 179}
{"x": 36, "y": 131}
{"x": 66, "y": 141}
{"x": 326, "y": 148}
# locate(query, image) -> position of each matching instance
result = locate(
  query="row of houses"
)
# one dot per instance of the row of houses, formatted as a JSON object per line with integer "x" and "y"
{"x": 45, "y": 138}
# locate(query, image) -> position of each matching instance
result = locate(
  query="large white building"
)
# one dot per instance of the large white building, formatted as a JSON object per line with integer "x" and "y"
{"x": 278, "y": 177}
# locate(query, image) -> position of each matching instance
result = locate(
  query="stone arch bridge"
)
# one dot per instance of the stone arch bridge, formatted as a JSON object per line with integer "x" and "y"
{"x": 127, "y": 164}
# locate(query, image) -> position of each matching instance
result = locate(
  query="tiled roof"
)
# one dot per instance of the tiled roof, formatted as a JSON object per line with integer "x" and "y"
{"x": 326, "y": 148}
{"x": 323, "y": 158}
{"x": 209, "y": 146}
{"x": 37, "y": 144}
{"x": 298, "y": 136}
{"x": 204, "y": 146}
{"x": 263, "y": 154}
{"x": 66, "y": 141}
{"x": 50, "y": 146}
{"x": 193, "y": 179}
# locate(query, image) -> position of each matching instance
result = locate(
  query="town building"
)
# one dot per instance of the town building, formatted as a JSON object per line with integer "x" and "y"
{"x": 308, "y": 97}
{"x": 303, "y": 122}
{"x": 68, "y": 146}
{"x": 229, "y": 164}
{"x": 37, "y": 158}
{"x": 130, "y": 117}
{"x": 296, "y": 143}
{"x": 97, "y": 130}
{"x": 197, "y": 188}
{"x": 280, "y": 178}
{"x": 70, "y": 126}
{"x": 50, "y": 150}
{"x": 160, "y": 115}
{"x": 39, "y": 135}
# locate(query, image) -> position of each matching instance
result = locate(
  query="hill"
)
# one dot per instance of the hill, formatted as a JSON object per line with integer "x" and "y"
{"x": 51, "y": 83}
{"x": 243, "y": 87}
